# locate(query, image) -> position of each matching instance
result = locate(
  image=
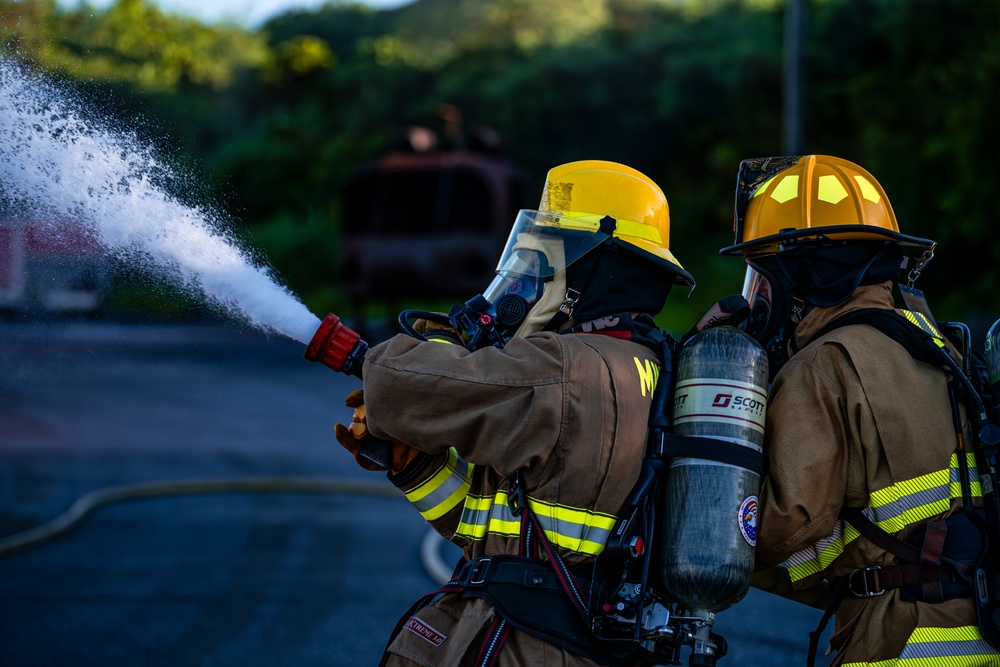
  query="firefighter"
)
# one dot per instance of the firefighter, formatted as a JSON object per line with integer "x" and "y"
{"x": 522, "y": 447}
{"x": 859, "y": 433}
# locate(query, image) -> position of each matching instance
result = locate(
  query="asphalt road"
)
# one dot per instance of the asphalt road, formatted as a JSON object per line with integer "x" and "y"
{"x": 224, "y": 577}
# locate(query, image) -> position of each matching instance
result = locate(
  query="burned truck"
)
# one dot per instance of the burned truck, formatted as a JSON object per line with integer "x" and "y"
{"x": 426, "y": 227}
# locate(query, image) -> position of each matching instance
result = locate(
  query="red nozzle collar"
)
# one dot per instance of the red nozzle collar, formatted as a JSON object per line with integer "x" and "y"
{"x": 332, "y": 343}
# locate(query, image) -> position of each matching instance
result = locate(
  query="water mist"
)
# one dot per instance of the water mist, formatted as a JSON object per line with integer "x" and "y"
{"x": 59, "y": 162}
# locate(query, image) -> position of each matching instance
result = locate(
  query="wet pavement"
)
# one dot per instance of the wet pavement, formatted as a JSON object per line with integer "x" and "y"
{"x": 257, "y": 572}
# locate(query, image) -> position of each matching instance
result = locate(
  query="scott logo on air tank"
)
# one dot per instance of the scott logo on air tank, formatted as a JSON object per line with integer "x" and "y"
{"x": 720, "y": 400}
{"x": 740, "y": 403}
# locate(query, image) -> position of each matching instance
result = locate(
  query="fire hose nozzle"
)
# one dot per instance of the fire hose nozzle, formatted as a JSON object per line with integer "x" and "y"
{"x": 337, "y": 347}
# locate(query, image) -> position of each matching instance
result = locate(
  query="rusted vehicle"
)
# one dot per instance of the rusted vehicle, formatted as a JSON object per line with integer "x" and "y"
{"x": 426, "y": 226}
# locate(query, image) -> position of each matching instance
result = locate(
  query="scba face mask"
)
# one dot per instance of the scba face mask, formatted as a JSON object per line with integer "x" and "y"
{"x": 759, "y": 294}
{"x": 766, "y": 322}
{"x": 782, "y": 288}
{"x": 519, "y": 285}
{"x": 530, "y": 281}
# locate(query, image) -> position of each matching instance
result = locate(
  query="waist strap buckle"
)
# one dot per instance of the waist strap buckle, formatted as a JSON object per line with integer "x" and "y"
{"x": 475, "y": 572}
{"x": 864, "y": 582}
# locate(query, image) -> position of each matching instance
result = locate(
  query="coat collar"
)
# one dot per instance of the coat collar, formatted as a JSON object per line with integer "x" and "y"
{"x": 866, "y": 296}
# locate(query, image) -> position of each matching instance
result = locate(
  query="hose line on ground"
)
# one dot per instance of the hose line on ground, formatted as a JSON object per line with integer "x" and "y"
{"x": 774, "y": 581}
{"x": 90, "y": 502}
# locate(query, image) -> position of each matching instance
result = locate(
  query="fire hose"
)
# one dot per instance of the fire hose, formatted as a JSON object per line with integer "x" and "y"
{"x": 340, "y": 349}
{"x": 90, "y": 502}
{"x": 430, "y": 548}
{"x": 773, "y": 581}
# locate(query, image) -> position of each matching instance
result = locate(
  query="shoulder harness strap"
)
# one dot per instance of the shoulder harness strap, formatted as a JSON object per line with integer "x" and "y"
{"x": 921, "y": 338}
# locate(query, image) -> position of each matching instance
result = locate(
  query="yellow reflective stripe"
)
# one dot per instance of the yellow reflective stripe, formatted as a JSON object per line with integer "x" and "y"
{"x": 504, "y": 522}
{"x": 891, "y": 509}
{"x": 920, "y": 321}
{"x": 444, "y": 490}
{"x": 914, "y": 500}
{"x": 475, "y": 517}
{"x": 592, "y": 222}
{"x": 819, "y": 556}
{"x": 638, "y": 230}
{"x": 573, "y": 529}
{"x": 430, "y": 337}
{"x": 943, "y": 647}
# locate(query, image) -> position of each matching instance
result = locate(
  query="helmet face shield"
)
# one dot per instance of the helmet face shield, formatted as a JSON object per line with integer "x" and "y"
{"x": 768, "y": 306}
{"x": 759, "y": 293}
{"x": 557, "y": 239}
{"x": 540, "y": 247}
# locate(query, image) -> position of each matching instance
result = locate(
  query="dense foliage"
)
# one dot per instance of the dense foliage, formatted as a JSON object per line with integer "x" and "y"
{"x": 276, "y": 119}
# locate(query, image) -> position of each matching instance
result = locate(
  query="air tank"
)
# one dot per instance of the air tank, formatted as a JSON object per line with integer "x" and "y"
{"x": 993, "y": 366}
{"x": 711, "y": 508}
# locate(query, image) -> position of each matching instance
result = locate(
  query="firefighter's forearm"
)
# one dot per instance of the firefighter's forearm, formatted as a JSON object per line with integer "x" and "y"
{"x": 436, "y": 485}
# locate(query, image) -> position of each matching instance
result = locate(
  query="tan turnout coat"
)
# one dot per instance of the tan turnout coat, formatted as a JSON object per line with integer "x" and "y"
{"x": 571, "y": 411}
{"x": 853, "y": 420}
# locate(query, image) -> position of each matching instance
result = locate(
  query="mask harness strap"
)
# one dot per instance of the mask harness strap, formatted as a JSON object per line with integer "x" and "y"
{"x": 799, "y": 306}
{"x": 585, "y": 269}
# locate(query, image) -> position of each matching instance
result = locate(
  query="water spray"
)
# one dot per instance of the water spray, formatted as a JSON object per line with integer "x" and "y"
{"x": 59, "y": 161}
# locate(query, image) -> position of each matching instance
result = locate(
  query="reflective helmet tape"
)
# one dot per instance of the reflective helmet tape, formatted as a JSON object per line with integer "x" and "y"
{"x": 444, "y": 490}
{"x": 592, "y": 223}
{"x": 573, "y": 529}
{"x": 891, "y": 509}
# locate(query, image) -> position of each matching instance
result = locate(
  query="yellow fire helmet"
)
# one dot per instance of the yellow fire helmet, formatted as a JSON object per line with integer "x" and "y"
{"x": 581, "y": 195}
{"x": 781, "y": 201}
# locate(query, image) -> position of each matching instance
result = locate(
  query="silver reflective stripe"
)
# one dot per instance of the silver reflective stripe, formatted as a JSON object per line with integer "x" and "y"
{"x": 891, "y": 509}
{"x": 573, "y": 529}
{"x": 817, "y": 557}
{"x": 897, "y": 508}
{"x": 961, "y": 647}
{"x": 444, "y": 490}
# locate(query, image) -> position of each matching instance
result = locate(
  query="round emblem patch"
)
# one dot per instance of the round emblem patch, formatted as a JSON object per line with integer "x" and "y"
{"x": 748, "y": 520}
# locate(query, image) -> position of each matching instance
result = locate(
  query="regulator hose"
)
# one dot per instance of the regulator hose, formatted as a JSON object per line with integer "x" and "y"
{"x": 89, "y": 503}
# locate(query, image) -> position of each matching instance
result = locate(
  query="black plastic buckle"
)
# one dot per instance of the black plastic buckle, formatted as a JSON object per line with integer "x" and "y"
{"x": 868, "y": 589}
{"x": 515, "y": 494}
{"x": 475, "y": 572}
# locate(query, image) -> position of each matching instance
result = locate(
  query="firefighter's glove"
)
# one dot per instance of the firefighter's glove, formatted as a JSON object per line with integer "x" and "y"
{"x": 355, "y": 439}
{"x": 437, "y": 332}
